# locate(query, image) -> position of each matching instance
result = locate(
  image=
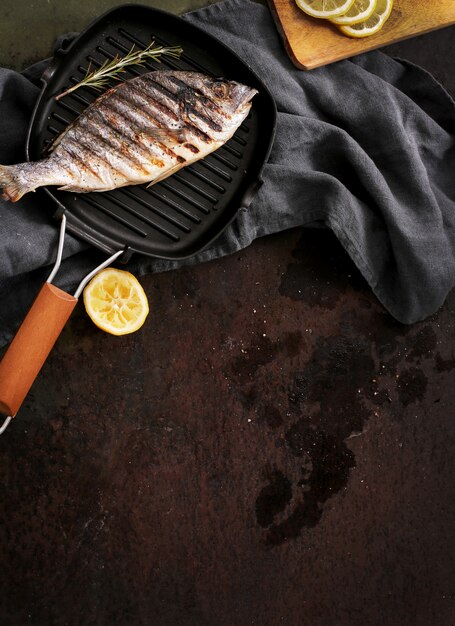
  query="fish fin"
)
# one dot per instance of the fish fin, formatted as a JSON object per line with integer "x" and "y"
{"x": 76, "y": 189}
{"x": 13, "y": 188}
{"x": 165, "y": 174}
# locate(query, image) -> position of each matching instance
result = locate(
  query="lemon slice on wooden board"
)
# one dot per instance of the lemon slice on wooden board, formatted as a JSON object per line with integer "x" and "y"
{"x": 325, "y": 8}
{"x": 360, "y": 11}
{"x": 116, "y": 302}
{"x": 373, "y": 24}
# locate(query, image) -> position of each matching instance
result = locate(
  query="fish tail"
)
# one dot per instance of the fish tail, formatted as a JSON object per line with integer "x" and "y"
{"x": 14, "y": 183}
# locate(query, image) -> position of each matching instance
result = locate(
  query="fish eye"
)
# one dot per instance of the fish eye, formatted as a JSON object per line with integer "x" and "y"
{"x": 221, "y": 90}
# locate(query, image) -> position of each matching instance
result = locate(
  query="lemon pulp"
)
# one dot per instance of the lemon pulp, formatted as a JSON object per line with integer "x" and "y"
{"x": 116, "y": 302}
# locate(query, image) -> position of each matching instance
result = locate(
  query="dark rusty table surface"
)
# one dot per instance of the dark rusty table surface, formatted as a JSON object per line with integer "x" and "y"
{"x": 271, "y": 448}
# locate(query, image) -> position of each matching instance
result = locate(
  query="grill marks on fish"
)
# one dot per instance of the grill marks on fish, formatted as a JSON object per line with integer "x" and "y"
{"x": 113, "y": 140}
{"x": 179, "y": 89}
{"x": 98, "y": 134}
{"x": 159, "y": 115}
{"x": 80, "y": 157}
{"x": 202, "y": 97}
{"x": 119, "y": 119}
{"x": 115, "y": 133}
{"x": 130, "y": 116}
{"x": 153, "y": 99}
{"x": 167, "y": 102}
{"x": 140, "y": 131}
{"x": 196, "y": 104}
{"x": 126, "y": 113}
{"x": 178, "y": 102}
{"x": 80, "y": 142}
{"x": 190, "y": 146}
{"x": 111, "y": 165}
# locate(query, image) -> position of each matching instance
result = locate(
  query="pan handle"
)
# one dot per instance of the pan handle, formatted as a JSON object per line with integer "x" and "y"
{"x": 35, "y": 338}
{"x": 32, "y": 344}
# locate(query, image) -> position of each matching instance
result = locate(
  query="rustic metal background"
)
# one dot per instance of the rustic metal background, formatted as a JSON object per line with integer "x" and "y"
{"x": 271, "y": 448}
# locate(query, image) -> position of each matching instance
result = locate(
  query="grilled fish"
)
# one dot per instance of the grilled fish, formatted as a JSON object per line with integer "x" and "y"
{"x": 140, "y": 131}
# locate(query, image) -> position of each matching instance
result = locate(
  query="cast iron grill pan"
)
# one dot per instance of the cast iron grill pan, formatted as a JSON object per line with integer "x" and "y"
{"x": 175, "y": 218}
{"x": 182, "y": 214}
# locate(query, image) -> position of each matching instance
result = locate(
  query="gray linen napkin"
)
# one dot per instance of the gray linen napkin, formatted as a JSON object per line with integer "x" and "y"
{"x": 365, "y": 147}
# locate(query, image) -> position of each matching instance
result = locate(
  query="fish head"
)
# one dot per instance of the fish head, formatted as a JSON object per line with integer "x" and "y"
{"x": 231, "y": 96}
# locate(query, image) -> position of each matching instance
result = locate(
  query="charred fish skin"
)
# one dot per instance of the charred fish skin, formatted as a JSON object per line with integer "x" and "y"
{"x": 140, "y": 131}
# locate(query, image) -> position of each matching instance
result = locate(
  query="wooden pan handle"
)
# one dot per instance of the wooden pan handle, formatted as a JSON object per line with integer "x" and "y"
{"x": 32, "y": 344}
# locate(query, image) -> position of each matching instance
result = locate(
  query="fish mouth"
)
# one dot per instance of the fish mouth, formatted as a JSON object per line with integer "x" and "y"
{"x": 251, "y": 92}
{"x": 242, "y": 95}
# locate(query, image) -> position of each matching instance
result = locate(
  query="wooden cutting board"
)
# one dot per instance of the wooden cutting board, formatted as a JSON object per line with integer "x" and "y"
{"x": 311, "y": 42}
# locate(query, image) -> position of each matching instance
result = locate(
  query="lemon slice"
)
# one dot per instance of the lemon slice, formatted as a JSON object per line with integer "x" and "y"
{"x": 116, "y": 302}
{"x": 325, "y": 8}
{"x": 373, "y": 24}
{"x": 360, "y": 11}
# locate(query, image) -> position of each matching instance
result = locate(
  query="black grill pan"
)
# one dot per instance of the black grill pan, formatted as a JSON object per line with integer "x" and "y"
{"x": 175, "y": 218}
{"x": 179, "y": 216}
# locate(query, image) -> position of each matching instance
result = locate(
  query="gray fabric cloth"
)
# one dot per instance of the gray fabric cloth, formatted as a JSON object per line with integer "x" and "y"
{"x": 365, "y": 147}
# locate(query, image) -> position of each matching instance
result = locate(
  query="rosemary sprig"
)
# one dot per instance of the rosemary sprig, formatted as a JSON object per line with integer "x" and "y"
{"x": 112, "y": 69}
